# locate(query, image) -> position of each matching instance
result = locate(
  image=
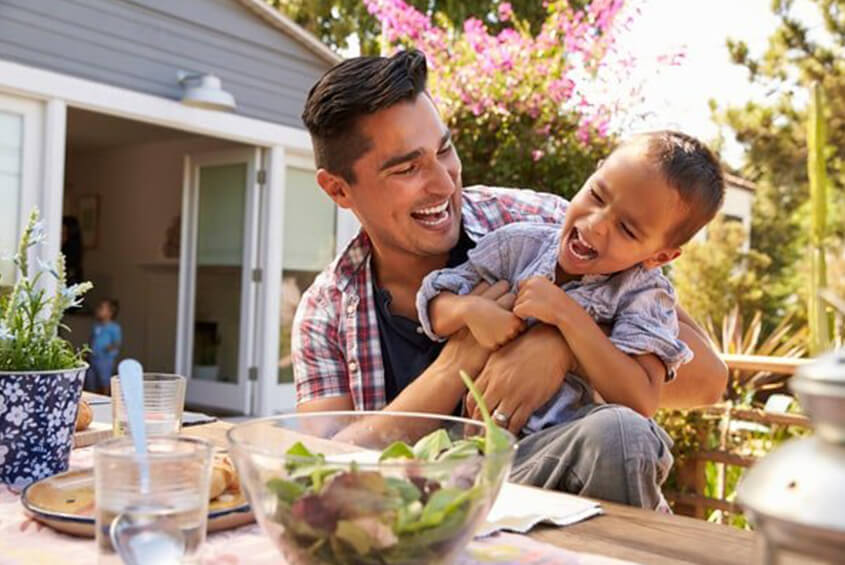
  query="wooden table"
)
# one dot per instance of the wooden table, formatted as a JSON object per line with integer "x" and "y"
{"x": 623, "y": 532}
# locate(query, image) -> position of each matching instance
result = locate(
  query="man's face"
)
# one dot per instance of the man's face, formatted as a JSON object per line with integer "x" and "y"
{"x": 407, "y": 193}
{"x": 620, "y": 217}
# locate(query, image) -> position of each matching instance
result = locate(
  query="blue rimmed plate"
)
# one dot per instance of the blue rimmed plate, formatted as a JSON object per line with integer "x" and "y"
{"x": 65, "y": 502}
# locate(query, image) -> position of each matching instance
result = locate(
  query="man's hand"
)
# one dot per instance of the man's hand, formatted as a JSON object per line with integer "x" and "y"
{"x": 541, "y": 299}
{"x": 491, "y": 324}
{"x": 523, "y": 375}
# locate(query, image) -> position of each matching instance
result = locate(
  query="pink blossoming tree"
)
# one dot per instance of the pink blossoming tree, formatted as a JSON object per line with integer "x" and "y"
{"x": 531, "y": 110}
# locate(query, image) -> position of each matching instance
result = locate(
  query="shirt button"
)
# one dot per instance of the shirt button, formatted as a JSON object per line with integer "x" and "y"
{"x": 419, "y": 329}
{"x": 353, "y": 366}
{"x": 350, "y": 309}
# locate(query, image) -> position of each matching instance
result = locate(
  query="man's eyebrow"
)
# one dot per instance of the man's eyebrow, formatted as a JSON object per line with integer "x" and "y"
{"x": 411, "y": 155}
{"x": 399, "y": 159}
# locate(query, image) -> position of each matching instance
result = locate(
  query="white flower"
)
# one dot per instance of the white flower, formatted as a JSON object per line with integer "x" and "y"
{"x": 38, "y": 233}
{"x": 16, "y": 415}
{"x": 61, "y": 436}
{"x": 5, "y": 333}
{"x": 3, "y": 451}
{"x": 45, "y": 266}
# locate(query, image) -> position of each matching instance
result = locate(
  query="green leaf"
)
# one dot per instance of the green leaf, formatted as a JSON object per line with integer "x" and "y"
{"x": 406, "y": 489}
{"x": 299, "y": 450}
{"x": 496, "y": 440}
{"x": 287, "y": 491}
{"x": 397, "y": 450}
{"x": 355, "y": 536}
{"x": 462, "y": 449}
{"x": 430, "y": 446}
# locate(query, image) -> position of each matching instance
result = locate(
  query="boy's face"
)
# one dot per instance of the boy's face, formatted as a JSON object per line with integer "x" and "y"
{"x": 407, "y": 193}
{"x": 103, "y": 312}
{"x": 621, "y": 217}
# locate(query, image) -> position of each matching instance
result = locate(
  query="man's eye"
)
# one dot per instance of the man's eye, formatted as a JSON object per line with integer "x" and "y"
{"x": 596, "y": 196}
{"x": 405, "y": 171}
{"x": 627, "y": 231}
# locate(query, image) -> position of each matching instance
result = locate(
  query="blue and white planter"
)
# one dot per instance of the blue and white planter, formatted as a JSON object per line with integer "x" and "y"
{"x": 37, "y": 420}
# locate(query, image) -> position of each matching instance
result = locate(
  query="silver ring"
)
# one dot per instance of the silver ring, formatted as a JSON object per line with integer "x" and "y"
{"x": 501, "y": 418}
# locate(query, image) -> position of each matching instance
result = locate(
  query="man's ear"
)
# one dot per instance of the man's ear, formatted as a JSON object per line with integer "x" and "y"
{"x": 336, "y": 187}
{"x": 662, "y": 257}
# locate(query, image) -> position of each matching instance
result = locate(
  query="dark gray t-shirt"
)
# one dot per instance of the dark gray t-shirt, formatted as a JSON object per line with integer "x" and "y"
{"x": 405, "y": 349}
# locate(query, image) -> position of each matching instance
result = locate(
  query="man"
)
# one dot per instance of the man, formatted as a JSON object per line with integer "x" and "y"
{"x": 383, "y": 152}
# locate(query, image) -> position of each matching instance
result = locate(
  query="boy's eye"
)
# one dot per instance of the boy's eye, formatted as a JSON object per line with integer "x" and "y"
{"x": 445, "y": 149}
{"x": 596, "y": 196}
{"x": 627, "y": 231}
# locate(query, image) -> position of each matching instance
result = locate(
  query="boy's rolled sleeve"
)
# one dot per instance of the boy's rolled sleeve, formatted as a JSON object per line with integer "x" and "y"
{"x": 647, "y": 323}
{"x": 484, "y": 263}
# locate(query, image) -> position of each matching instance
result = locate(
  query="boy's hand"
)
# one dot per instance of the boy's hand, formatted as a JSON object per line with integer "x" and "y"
{"x": 491, "y": 324}
{"x": 541, "y": 299}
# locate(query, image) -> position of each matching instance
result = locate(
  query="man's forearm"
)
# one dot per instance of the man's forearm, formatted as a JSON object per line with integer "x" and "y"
{"x": 700, "y": 382}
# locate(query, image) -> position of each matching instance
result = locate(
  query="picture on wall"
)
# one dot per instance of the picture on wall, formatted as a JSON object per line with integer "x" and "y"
{"x": 89, "y": 220}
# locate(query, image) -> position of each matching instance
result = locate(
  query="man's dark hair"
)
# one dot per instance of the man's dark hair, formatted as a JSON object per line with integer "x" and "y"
{"x": 353, "y": 89}
{"x": 690, "y": 167}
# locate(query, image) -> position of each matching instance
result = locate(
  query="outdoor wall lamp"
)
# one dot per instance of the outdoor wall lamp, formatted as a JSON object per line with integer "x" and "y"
{"x": 204, "y": 90}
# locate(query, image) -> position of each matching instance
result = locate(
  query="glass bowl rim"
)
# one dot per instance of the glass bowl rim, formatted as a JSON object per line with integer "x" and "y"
{"x": 397, "y": 463}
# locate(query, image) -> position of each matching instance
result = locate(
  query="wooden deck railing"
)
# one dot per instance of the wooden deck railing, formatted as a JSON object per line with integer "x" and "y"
{"x": 691, "y": 499}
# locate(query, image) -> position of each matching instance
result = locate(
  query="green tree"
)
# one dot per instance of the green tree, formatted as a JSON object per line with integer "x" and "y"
{"x": 335, "y": 21}
{"x": 714, "y": 276}
{"x": 774, "y": 136}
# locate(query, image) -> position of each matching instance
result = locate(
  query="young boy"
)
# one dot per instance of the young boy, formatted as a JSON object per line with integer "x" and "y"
{"x": 650, "y": 196}
{"x": 105, "y": 346}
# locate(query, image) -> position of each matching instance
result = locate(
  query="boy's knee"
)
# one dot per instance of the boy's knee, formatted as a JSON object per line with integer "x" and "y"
{"x": 620, "y": 435}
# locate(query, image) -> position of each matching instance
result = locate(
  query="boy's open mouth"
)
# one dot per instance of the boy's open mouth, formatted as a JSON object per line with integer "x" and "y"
{"x": 579, "y": 247}
{"x": 433, "y": 216}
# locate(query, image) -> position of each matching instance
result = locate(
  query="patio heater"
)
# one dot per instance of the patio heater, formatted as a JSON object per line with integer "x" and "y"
{"x": 795, "y": 496}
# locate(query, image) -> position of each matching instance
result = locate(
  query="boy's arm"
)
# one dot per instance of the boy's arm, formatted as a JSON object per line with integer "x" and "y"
{"x": 490, "y": 324}
{"x": 598, "y": 359}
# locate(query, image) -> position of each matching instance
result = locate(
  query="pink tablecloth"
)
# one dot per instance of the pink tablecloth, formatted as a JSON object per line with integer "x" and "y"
{"x": 25, "y": 541}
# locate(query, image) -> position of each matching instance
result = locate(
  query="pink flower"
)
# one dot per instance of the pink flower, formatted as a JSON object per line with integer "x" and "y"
{"x": 537, "y": 154}
{"x": 505, "y": 12}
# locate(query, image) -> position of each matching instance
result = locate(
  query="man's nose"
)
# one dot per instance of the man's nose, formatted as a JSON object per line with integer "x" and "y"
{"x": 441, "y": 180}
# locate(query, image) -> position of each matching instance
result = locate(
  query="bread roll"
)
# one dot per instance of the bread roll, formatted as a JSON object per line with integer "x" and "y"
{"x": 223, "y": 477}
{"x": 83, "y": 416}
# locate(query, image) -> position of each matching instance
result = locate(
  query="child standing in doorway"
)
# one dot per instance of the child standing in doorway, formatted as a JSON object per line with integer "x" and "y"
{"x": 105, "y": 341}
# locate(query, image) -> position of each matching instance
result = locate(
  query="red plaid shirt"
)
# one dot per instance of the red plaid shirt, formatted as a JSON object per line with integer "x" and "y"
{"x": 336, "y": 348}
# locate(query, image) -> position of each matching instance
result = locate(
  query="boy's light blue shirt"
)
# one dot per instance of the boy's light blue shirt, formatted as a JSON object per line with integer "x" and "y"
{"x": 638, "y": 303}
{"x": 105, "y": 339}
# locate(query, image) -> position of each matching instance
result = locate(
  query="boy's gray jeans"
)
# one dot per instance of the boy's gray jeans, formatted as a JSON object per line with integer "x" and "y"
{"x": 608, "y": 452}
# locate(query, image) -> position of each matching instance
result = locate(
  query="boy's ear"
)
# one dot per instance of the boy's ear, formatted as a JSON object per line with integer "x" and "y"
{"x": 662, "y": 257}
{"x": 336, "y": 187}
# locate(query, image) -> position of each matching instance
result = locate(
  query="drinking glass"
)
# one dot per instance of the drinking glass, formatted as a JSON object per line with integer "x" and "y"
{"x": 164, "y": 400}
{"x": 171, "y": 501}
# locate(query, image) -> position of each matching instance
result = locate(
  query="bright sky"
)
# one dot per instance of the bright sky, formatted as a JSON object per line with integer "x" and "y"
{"x": 677, "y": 98}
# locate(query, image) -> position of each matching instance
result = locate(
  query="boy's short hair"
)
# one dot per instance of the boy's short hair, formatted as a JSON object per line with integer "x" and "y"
{"x": 351, "y": 90}
{"x": 694, "y": 171}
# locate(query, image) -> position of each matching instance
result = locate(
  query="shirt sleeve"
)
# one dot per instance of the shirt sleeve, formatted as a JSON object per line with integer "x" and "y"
{"x": 319, "y": 369}
{"x": 485, "y": 262}
{"x": 647, "y": 322}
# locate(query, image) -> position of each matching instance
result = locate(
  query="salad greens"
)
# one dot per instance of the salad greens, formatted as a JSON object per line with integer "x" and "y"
{"x": 404, "y": 513}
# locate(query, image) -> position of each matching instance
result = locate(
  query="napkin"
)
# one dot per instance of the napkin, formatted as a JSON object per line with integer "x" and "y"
{"x": 519, "y": 508}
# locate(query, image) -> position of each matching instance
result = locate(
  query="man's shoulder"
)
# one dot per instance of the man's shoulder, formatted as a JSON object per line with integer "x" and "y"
{"x": 488, "y": 208}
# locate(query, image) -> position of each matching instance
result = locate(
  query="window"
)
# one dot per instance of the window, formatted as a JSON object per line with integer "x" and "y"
{"x": 310, "y": 235}
{"x": 11, "y": 153}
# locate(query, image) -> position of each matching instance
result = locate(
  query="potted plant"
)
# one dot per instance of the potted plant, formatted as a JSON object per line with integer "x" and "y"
{"x": 41, "y": 374}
